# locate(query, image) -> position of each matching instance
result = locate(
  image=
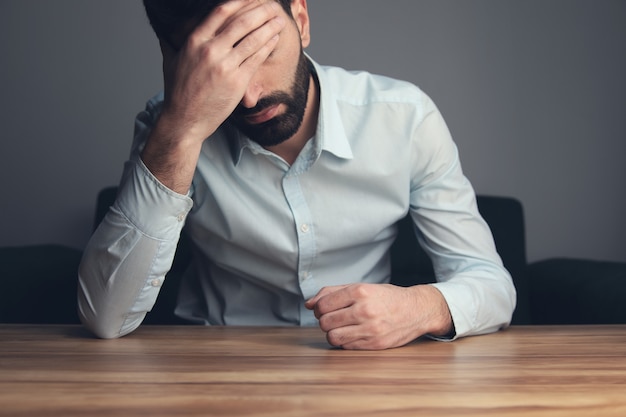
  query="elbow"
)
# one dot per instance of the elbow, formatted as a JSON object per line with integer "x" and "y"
{"x": 102, "y": 332}
{"x": 512, "y": 300}
{"x": 89, "y": 315}
{"x": 96, "y": 312}
{"x": 97, "y": 326}
{"x": 504, "y": 303}
{"x": 98, "y": 322}
{"x": 104, "y": 328}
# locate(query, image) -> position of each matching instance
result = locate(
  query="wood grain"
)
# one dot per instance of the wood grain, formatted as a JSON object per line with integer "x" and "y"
{"x": 251, "y": 371}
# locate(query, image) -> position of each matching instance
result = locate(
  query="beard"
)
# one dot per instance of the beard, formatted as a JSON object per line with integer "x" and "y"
{"x": 285, "y": 125}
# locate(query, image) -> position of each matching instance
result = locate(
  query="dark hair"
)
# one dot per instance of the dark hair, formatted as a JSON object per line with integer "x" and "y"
{"x": 169, "y": 17}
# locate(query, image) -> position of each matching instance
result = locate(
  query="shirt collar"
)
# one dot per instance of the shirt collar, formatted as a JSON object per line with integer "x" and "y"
{"x": 330, "y": 130}
{"x": 330, "y": 133}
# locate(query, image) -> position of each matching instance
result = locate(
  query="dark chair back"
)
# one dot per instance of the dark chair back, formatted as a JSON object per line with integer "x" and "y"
{"x": 39, "y": 284}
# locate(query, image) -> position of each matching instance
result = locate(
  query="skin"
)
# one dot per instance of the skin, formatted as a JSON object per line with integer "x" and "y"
{"x": 246, "y": 50}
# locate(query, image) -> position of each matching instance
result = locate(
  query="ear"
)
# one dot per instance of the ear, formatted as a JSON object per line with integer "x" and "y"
{"x": 300, "y": 15}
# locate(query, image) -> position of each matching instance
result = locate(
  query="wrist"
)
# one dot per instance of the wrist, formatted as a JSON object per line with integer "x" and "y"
{"x": 171, "y": 155}
{"x": 443, "y": 325}
{"x": 433, "y": 314}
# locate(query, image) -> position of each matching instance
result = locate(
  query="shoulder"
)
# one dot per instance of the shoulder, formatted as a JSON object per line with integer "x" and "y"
{"x": 362, "y": 88}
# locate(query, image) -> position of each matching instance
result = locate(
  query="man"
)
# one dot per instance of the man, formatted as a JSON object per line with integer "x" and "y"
{"x": 289, "y": 178}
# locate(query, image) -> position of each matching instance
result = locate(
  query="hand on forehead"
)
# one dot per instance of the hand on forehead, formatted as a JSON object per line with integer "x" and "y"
{"x": 245, "y": 10}
{"x": 242, "y": 15}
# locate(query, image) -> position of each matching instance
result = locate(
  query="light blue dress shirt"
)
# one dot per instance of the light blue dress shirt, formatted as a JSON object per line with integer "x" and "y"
{"x": 269, "y": 235}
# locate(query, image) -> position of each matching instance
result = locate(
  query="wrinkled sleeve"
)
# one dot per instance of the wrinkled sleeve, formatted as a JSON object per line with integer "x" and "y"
{"x": 478, "y": 289}
{"x": 125, "y": 261}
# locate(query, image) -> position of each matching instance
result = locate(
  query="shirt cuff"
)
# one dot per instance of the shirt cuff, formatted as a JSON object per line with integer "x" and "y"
{"x": 150, "y": 206}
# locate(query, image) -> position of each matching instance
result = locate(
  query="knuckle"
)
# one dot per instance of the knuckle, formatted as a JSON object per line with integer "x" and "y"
{"x": 320, "y": 308}
{"x": 361, "y": 290}
{"x": 205, "y": 53}
{"x": 368, "y": 311}
{"x": 317, "y": 313}
{"x": 334, "y": 338}
{"x": 324, "y": 289}
{"x": 244, "y": 21}
{"x": 221, "y": 68}
{"x": 218, "y": 72}
{"x": 195, "y": 40}
{"x": 377, "y": 328}
{"x": 222, "y": 11}
{"x": 325, "y": 323}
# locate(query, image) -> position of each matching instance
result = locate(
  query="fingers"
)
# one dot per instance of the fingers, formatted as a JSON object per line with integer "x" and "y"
{"x": 353, "y": 338}
{"x": 239, "y": 34}
{"x": 252, "y": 47}
{"x": 334, "y": 307}
{"x": 312, "y": 303}
{"x": 364, "y": 316}
{"x": 252, "y": 15}
{"x": 221, "y": 16}
{"x": 232, "y": 23}
{"x": 348, "y": 306}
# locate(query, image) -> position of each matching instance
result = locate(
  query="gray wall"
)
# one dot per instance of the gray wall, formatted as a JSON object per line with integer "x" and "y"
{"x": 534, "y": 93}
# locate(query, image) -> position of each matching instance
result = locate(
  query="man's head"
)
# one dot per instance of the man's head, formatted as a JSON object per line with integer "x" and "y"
{"x": 171, "y": 19}
{"x": 274, "y": 105}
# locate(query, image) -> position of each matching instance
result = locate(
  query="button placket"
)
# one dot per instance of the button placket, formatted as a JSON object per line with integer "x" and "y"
{"x": 304, "y": 233}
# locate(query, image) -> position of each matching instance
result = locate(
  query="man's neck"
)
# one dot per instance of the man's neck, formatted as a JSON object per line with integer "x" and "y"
{"x": 290, "y": 149}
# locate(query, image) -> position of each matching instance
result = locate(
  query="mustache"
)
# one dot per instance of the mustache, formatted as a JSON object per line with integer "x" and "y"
{"x": 262, "y": 104}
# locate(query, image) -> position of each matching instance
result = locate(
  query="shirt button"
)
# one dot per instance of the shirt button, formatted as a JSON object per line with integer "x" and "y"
{"x": 155, "y": 282}
{"x": 180, "y": 217}
{"x": 304, "y": 228}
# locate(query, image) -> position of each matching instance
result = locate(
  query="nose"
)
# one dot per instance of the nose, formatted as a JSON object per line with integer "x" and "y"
{"x": 252, "y": 95}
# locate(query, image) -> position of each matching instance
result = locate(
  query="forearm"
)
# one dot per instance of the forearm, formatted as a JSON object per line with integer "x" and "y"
{"x": 477, "y": 288}
{"x": 470, "y": 275}
{"x": 126, "y": 259}
{"x": 118, "y": 279}
{"x": 171, "y": 153}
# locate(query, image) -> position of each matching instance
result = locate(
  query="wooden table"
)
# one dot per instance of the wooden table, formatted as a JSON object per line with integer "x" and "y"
{"x": 235, "y": 371}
